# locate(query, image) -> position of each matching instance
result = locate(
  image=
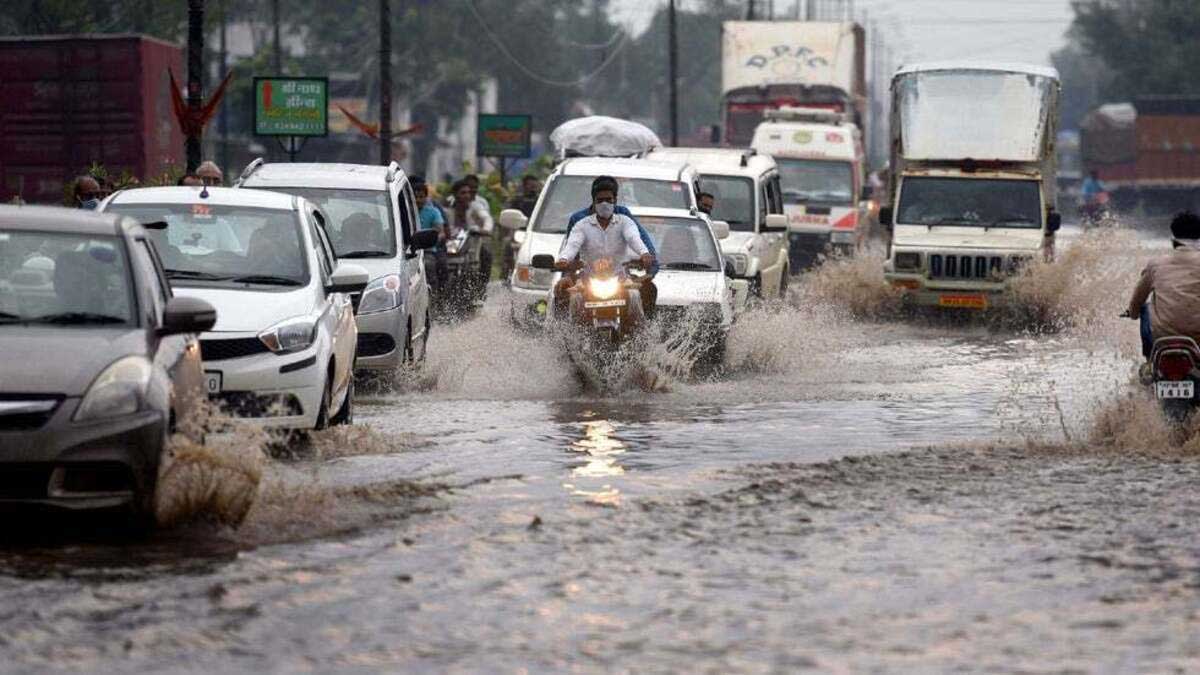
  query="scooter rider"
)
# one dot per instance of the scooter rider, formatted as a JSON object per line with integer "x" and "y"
{"x": 604, "y": 234}
{"x": 1174, "y": 281}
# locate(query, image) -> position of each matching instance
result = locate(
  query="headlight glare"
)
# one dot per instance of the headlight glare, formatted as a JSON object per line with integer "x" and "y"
{"x": 605, "y": 288}
{"x": 381, "y": 295}
{"x": 290, "y": 336}
{"x": 119, "y": 390}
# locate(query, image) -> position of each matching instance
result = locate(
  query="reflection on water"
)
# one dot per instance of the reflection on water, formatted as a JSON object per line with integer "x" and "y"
{"x": 600, "y": 452}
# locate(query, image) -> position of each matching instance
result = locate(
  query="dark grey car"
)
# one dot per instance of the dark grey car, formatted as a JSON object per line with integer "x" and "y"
{"x": 98, "y": 360}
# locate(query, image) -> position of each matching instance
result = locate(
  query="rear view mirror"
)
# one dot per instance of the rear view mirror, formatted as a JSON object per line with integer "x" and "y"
{"x": 187, "y": 315}
{"x": 542, "y": 261}
{"x": 885, "y": 216}
{"x": 1053, "y": 221}
{"x": 424, "y": 239}
{"x": 347, "y": 278}
{"x": 512, "y": 219}
{"x": 776, "y": 222}
{"x": 720, "y": 229}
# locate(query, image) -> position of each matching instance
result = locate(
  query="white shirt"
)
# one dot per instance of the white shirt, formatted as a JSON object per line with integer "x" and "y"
{"x": 591, "y": 242}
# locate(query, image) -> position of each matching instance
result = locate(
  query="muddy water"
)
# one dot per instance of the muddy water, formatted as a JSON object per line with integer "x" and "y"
{"x": 856, "y": 489}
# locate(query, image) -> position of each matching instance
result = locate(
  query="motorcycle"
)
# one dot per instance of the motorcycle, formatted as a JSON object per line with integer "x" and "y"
{"x": 1175, "y": 372}
{"x": 606, "y": 301}
{"x": 1096, "y": 212}
{"x": 461, "y": 286}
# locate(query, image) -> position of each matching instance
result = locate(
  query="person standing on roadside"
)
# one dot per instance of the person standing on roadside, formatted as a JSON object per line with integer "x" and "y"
{"x": 87, "y": 193}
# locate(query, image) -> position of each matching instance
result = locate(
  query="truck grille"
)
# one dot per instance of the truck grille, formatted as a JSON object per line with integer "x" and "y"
{"x": 219, "y": 350}
{"x": 947, "y": 266}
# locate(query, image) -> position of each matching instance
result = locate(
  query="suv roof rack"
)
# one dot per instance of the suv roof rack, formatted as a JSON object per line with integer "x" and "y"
{"x": 747, "y": 154}
{"x": 250, "y": 169}
{"x": 393, "y": 169}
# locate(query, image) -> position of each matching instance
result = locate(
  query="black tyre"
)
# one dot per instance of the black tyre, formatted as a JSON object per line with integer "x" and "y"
{"x": 345, "y": 414}
{"x": 323, "y": 412}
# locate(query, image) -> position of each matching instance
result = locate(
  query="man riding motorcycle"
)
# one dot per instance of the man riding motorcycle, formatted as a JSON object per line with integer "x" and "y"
{"x": 605, "y": 234}
{"x": 649, "y": 291}
{"x": 1174, "y": 281}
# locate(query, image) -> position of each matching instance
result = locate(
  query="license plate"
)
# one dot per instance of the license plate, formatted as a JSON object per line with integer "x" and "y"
{"x": 212, "y": 382}
{"x": 604, "y": 303}
{"x": 1182, "y": 389}
{"x": 970, "y": 301}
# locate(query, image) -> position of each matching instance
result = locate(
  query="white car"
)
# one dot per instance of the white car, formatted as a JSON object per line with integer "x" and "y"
{"x": 282, "y": 350}
{"x": 745, "y": 186}
{"x": 569, "y": 189}
{"x": 372, "y": 220}
{"x": 692, "y": 282}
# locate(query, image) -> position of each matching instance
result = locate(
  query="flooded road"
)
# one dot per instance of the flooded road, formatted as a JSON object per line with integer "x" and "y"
{"x": 879, "y": 493}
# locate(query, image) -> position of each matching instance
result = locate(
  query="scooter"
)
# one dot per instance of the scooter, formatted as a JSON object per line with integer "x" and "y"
{"x": 607, "y": 300}
{"x": 1176, "y": 370}
{"x": 462, "y": 289}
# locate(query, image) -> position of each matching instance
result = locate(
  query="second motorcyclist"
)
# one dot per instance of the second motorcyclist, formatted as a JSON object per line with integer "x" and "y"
{"x": 1174, "y": 281}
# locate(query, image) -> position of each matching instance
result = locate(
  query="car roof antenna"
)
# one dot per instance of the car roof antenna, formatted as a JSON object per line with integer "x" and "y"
{"x": 204, "y": 192}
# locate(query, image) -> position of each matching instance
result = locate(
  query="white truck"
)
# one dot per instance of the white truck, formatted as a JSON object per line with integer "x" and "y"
{"x": 766, "y": 65}
{"x": 972, "y": 180}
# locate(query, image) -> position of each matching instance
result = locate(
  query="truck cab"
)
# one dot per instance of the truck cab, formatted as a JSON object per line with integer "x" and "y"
{"x": 822, "y": 168}
{"x": 973, "y": 182}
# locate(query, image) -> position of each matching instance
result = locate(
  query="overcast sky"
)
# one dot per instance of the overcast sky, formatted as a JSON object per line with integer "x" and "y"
{"x": 924, "y": 30}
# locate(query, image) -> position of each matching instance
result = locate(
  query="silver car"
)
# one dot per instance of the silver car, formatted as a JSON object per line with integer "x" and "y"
{"x": 371, "y": 218}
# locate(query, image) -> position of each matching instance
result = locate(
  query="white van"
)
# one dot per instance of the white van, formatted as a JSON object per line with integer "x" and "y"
{"x": 822, "y": 169}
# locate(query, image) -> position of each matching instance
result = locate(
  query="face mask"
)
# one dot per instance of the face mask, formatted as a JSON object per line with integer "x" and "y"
{"x": 605, "y": 209}
{"x": 90, "y": 204}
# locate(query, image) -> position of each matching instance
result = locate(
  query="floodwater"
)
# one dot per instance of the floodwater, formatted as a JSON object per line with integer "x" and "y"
{"x": 859, "y": 488}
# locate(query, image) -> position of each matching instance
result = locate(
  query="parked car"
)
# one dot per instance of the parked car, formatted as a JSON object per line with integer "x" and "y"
{"x": 371, "y": 219}
{"x": 99, "y": 363}
{"x": 282, "y": 350}
{"x": 748, "y": 196}
{"x": 662, "y": 184}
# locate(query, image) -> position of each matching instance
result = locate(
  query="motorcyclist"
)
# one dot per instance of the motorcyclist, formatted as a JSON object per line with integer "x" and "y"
{"x": 1095, "y": 196}
{"x": 1174, "y": 281}
{"x": 649, "y": 291}
{"x": 604, "y": 234}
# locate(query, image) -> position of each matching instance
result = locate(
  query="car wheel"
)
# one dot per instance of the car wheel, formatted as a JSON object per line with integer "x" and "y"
{"x": 345, "y": 414}
{"x": 425, "y": 340}
{"x": 409, "y": 353}
{"x": 326, "y": 394}
{"x": 756, "y": 287}
{"x": 784, "y": 281}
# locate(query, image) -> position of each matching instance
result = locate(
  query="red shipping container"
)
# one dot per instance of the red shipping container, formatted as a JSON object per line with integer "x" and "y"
{"x": 69, "y": 101}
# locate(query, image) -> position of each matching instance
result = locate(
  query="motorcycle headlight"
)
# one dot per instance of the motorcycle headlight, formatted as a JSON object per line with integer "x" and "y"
{"x": 381, "y": 295}
{"x": 605, "y": 288}
{"x": 119, "y": 390}
{"x": 290, "y": 336}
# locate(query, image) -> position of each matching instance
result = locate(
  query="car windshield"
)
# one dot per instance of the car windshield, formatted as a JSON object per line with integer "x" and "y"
{"x": 733, "y": 200}
{"x": 360, "y": 224}
{"x": 64, "y": 279}
{"x": 567, "y": 194}
{"x": 683, "y": 243}
{"x": 970, "y": 202}
{"x": 209, "y": 244}
{"x": 816, "y": 180}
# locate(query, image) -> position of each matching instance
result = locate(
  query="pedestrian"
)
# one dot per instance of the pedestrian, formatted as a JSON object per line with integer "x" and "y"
{"x": 87, "y": 193}
{"x": 210, "y": 174}
{"x": 706, "y": 202}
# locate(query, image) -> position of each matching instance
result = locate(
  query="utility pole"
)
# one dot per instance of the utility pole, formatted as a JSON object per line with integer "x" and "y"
{"x": 223, "y": 116}
{"x": 195, "y": 75}
{"x": 278, "y": 56}
{"x": 750, "y": 10}
{"x": 673, "y": 46}
{"x": 385, "y": 82}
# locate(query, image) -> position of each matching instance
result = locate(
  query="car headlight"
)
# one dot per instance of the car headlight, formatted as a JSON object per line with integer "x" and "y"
{"x": 841, "y": 237}
{"x": 740, "y": 262}
{"x": 605, "y": 288}
{"x": 908, "y": 261}
{"x": 119, "y": 390}
{"x": 381, "y": 295}
{"x": 289, "y": 336}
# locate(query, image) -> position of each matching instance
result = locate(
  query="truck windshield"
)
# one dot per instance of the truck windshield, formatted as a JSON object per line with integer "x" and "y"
{"x": 815, "y": 180}
{"x": 360, "y": 221}
{"x": 970, "y": 202}
{"x": 567, "y": 194}
{"x": 733, "y": 200}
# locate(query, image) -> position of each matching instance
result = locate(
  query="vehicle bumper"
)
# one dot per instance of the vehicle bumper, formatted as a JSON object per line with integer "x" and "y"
{"x": 271, "y": 390}
{"x": 925, "y": 292}
{"x": 530, "y": 304}
{"x": 78, "y": 466}
{"x": 381, "y": 340}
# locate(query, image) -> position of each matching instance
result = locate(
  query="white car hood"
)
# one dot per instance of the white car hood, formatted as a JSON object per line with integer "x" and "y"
{"x": 676, "y": 287}
{"x": 920, "y": 236}
{"x": 247, "y": 311}
{"x": 736, "y": 242}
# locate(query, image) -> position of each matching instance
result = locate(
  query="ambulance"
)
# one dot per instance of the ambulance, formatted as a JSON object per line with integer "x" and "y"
{"x": 822, "y": 167}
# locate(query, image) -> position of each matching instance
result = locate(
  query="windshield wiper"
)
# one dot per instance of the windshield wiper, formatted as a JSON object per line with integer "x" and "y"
{"x": 267, "y": 279}
{"x": 694, "y": 266}
{"x": 195, "y": 274}
{"x": 365, "y": 254}
{"x": 77, "y": 318}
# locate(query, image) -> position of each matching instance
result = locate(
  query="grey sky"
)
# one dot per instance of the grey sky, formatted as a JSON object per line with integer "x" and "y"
{"x": 924, "y": 30}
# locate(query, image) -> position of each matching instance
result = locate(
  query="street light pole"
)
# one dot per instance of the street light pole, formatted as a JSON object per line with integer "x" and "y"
{"x": 673, "y": 46}
{"x": 278, "y": 55}
{"x": 385, "y": 82}
{"x": 223, "y": 118}
{"x": 195, "y": 76}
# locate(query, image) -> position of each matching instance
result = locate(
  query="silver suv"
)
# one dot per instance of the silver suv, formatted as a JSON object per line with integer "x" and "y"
{"x": 371, "y": 218}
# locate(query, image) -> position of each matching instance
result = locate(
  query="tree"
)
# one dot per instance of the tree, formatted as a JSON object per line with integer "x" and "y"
{"x": 1148, "y": 46}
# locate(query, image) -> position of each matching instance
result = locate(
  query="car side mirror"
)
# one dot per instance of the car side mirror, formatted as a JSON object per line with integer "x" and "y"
{"x": 512, "y": 219}
{"x": 776, "y": 222}
{"x": 542, "y": 261}
{"x": 1053, "y": 221}
{"x": 730, "y": 270}
{"x": 424, "y": 239}
{"x": 347, "y": 278}
{"x": 886, "y": 216}
{"x": 720, "y": 229}
{"x": 187, "y": 315}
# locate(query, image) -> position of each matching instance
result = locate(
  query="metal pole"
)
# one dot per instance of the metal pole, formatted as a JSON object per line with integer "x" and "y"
{"x": 385, "y": 82}
{"x": 673, "y": 70}
{"x": 278, "y": 56}
{"x": 223, "y": 118}
{"x": 195, "y": 77}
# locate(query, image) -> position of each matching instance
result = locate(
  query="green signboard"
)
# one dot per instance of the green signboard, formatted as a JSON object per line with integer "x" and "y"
{"x": 504, "y": 136}
{"x": 291, "y": 106}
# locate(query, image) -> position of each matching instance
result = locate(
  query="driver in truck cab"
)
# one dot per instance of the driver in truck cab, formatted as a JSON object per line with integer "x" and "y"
{"x": 604, "y": 234}
{"x": 1174, "y": 281}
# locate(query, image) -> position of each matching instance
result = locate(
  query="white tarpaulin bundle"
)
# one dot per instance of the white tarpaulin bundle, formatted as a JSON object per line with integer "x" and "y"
{"x": 599, "y": 136}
